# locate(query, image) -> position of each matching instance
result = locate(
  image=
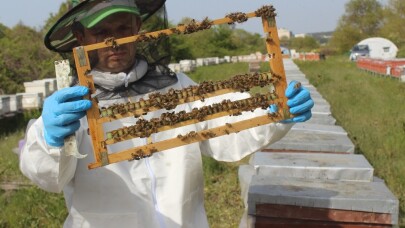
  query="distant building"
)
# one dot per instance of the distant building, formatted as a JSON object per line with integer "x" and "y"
{"x": 302, "y": 35}
{"x": 321, "y": 37}
{"x": 282, "y": 32}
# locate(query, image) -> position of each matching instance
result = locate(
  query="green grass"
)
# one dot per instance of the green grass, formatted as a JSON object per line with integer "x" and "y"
{"x": 372, "y": 110}
{"x": 9, "y": 171}
{"x": 217, "y": 72}
{"x": 29, "y": 206}
{"x": 223, "y": 204}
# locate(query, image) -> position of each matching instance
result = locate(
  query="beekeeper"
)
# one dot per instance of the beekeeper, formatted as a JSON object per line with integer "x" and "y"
{"x": 165, "y": 190}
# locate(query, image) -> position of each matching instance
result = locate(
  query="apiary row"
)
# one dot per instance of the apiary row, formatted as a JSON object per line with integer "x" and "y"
{"x": 33, "y": 97}
{"x": 389, "y": 67}
{"x": 312, "y": 178}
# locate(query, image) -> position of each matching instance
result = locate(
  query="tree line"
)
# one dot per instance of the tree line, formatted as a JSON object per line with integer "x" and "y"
{"x": 369, "y": 18}
{"x": 25, "y": 58}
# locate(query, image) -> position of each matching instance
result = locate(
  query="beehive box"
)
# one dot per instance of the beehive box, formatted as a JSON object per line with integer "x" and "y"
{"x": 306, "y": 137}
{"x": 31, "y": 100}
{"x": 309, "y": 203}
{"x": 52, "y": 84}
{"x": 344, "y": 167}
{"x": 324, "y": 119}
{"x": 37, "y": 86}
{"x": 16, "y": 103}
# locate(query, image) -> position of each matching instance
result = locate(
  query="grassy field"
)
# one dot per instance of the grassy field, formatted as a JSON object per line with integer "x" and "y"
{"x": 371, "y": 109}
{"x": 29, "y": 206}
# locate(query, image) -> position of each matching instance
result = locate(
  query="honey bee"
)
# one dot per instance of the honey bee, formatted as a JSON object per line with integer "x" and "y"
{"x": 103, "y": 145}
{"x": 208, "y": 134}
{"x": 110, "y": 41}
{"x": 175, "y": 31}
{"x": 87, "y": 72}
{"x": 152, "y": 150}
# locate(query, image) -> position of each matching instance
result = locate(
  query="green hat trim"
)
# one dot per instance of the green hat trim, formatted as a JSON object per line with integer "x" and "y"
{"x": 95, "y": 18}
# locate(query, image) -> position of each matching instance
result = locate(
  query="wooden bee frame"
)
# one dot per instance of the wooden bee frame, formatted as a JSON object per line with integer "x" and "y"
{"x": 96, "y": 116}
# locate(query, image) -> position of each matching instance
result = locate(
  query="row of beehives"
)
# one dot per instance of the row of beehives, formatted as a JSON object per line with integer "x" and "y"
{"x": 389, "y": 67}
{"x": 189, "y": 65}
{"x": 37, "y": 90}
{"x": 312, "y": 178}
{"x": 32, "y": 98}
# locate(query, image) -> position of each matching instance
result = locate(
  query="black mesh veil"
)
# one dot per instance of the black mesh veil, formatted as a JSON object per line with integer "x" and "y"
{"x": 156, "y": 51}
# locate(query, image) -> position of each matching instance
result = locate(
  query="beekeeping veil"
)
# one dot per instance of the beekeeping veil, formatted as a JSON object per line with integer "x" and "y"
{"x": 152, "y": 13}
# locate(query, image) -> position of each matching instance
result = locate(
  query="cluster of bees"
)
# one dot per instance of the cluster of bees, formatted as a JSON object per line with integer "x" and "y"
{"x": 174, "y": 97}
{"x": 139, "y": 154}
{"x": 237, "y": 17}
{"x": 266, "y": 11}
{"x": 143, "y": 37}
{"x": 191, "y": 27}
{"x": 144, "y": 128}
{"x": 194, "y": 26}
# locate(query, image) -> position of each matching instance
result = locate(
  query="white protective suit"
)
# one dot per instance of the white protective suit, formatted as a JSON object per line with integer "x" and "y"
{"x": 165, "y": 190}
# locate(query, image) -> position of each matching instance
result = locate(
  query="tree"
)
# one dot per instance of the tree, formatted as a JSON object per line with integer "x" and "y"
{"x": 220, "y": 40}
{"x": 247, "y": 43}
{"x": 3, "y": 30}
{"x": 304, "y": 44}
{"x": 285, "y": 41}
{"x": 64, "y": 7}
{"x": 394, "y": 24}
{"x": 361, "y": 20}
{"x": 24, "y": 58}
{"x": 344, "y": 37}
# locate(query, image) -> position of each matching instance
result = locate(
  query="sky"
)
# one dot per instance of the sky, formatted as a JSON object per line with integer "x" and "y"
{"x": 298, "y": 16}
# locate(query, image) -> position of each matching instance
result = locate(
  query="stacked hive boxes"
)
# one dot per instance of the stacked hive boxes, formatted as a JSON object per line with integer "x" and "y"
{"x": 38, "y": 86}
{"x": 35, "y": 92}
{"x": 31, "y": 100}
{"x": 391, "y": 67}
{"x": 311, "y": 178}
{"x": 52, "y": 86}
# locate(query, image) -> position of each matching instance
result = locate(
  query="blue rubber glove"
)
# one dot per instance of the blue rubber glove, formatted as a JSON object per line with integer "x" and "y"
{"x": 299, "y": 101}
{"x": 61, "y": 113}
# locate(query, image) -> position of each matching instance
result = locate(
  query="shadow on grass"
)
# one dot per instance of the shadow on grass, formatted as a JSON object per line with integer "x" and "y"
{"x": 18, "y": 122}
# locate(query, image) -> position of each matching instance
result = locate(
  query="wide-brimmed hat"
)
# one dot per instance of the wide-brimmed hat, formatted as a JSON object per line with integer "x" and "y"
{"x": 90, "y": 12}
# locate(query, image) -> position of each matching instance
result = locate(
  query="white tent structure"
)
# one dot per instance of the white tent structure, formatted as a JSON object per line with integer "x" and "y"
{"x": 380, "y": 48}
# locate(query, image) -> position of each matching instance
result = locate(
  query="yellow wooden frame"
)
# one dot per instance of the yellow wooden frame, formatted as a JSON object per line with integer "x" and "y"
{"x": 95, "y": 120}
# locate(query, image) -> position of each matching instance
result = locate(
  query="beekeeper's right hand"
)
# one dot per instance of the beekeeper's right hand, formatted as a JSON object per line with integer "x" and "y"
{"x": 61, "y": 113}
